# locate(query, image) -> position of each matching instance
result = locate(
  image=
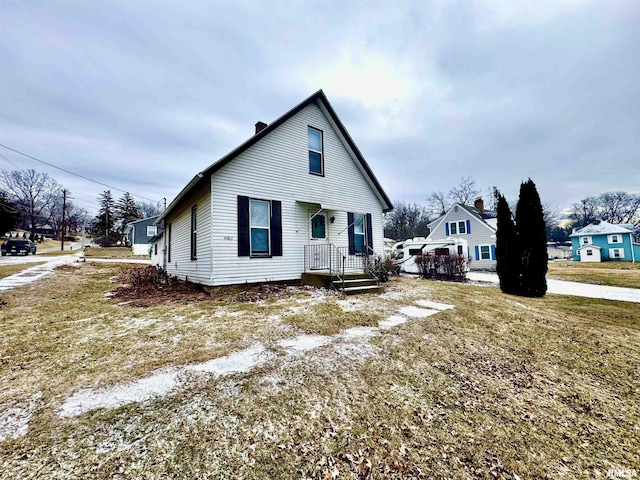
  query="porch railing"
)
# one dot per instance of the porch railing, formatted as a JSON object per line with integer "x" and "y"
{"x": 337, "y": 260}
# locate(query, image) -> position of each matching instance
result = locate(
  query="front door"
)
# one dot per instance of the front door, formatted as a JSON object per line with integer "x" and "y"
{"x": 319, "y": 241}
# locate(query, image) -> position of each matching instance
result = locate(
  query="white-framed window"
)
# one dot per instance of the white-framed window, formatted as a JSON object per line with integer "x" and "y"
{"x": 259, "y": 227}
{"x": 589, "y": 252}
{"x": 316, "y": 159}
{"x": 485, "y": 252}
{"x": 616, "y": 252}
{"x": 194, "y": 232}
{"x": 359, "y": 239}
{"x": 616, "y": 238}
{"x": 151, "y": 230}
{"x": 457, "y": 228}
{"x": 585, "y": 240}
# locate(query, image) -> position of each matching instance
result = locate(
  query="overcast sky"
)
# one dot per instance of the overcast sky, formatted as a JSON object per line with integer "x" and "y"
{"x": 143, "y": 95}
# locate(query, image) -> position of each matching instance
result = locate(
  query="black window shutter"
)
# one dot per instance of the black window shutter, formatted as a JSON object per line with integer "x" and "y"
{"x": 352, "y": 240}
{"x": 369, "y": 233}
{"x": 276, "y": 228}
{"x": 243, "y": 226}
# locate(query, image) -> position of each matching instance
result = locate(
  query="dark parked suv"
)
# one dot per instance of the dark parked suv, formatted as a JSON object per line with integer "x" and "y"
{"x": 15, "y": 246}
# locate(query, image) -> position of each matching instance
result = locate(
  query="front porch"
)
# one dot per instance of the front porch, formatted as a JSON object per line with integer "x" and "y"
{"x": 329, "y": 266}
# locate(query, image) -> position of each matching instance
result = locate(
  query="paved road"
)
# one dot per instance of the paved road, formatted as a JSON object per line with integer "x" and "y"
{"x": 562, "y": 287}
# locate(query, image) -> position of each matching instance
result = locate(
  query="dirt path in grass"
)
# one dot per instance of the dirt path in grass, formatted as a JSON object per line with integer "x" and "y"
{"x": 562, "y": 287}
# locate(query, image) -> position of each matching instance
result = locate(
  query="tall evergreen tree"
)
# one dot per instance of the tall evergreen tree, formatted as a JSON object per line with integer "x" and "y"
{"x": 507, "y": 253}
{"x": 8, "y": 214}
{"x": 126, "y": 211}
{"x": 532, "y": 242}
{"x": 104, "y": 221}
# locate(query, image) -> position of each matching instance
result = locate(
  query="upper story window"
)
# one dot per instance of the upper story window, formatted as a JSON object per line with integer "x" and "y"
{"x": 457, "y": 228}
{"x": 259, "y": 224}
{"x": 615, "y": 238}
{"x": 151, "y": 230}
{"x": 585, "y": 240}
{"x": 316, "y": 158}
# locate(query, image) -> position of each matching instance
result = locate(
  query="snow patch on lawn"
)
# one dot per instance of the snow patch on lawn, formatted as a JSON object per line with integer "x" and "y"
{"x": 362, "y": 334}
{"x": 14, "y": 422}
{"x": 392, "y": 321}
{"x": 416, "y": 312}
{"x": 433, "y": 305}
{"x": 304, "y": 343}
{"x": 159, "y": 384}
{"x": 349, "y": 305}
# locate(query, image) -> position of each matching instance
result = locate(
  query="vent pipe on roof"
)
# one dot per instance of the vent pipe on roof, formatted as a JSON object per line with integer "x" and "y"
{"x": 260, "y": 126}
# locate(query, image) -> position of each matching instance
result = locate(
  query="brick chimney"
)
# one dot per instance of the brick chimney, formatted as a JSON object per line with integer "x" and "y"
{"x": 260, "y": 126}
{"x": 479, "y": 204}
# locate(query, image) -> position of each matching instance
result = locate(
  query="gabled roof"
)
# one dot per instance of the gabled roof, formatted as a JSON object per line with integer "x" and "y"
{"x": 600, "y": 227}
{"x": 471, "y": 210}
{"x": 320, "y": 97}
{"x": 589, "y": 246}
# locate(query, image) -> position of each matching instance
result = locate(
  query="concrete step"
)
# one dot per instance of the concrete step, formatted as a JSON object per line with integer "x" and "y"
{"x": 362, "y": 289}
{"x": 356, "y": 282}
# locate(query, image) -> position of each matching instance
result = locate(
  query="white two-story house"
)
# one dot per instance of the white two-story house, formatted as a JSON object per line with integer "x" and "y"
{"x": 473, "y": 224}
{"x": 298, "y": 196}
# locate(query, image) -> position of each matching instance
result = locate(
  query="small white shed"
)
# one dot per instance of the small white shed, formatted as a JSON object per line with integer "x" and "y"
{"x": 590, "y": 253}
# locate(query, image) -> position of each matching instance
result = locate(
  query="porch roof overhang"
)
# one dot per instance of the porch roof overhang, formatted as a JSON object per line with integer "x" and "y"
{"x": 326, "y": 206}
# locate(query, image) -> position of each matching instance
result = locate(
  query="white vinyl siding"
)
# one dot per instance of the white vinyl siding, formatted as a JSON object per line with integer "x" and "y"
{"x": 481, "y": 234}
{"x": 277, "y": 168}
{"x": 179, "y": 220}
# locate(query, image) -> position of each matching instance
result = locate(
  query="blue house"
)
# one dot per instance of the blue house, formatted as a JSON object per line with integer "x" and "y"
{"x": 603, "y": 241}
{"x": 140, "y": 235}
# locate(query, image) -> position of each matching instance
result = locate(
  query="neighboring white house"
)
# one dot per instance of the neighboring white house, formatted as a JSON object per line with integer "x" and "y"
{"x": 140, "y": 234}
{"x": 292, "y": 199}
{"x": 467, "y": 223}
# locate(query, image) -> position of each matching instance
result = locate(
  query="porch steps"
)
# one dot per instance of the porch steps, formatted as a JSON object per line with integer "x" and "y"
{"x": 359, "y": 285}
{"x": 353, "y": 283}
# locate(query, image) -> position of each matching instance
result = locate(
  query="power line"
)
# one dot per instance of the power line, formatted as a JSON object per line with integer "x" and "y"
{"x": 76, "y": 174}
{"x": 10, "y": 162}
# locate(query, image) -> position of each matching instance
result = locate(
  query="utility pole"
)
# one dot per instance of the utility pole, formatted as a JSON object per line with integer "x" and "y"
{"x": 64, "y": 210}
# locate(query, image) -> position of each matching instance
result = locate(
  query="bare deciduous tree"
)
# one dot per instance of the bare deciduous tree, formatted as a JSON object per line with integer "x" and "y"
{"x": 438, "y": 203}
{"x": 149, "y": 209}
{"x": 32, "y": 192}
{"x": 465, "y": 192}
{"x": 406, "y": 221}
{"x": 613, "y": 207}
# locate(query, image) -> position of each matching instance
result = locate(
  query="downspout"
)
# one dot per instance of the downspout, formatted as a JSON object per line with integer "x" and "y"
{"x": 164, "y": 236}
{"x": 633, "y": 253}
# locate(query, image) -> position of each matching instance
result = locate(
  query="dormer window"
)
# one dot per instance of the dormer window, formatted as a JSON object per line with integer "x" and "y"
{"x": 316, "y": 159}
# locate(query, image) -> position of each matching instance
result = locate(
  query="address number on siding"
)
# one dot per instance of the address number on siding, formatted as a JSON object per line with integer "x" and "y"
{"x": 228, "y": 238}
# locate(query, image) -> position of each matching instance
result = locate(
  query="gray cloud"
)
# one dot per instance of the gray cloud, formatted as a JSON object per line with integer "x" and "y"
{"x": 143, "y": 95}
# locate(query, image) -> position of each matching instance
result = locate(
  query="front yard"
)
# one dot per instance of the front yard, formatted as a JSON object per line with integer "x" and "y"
{"x": 292, "y": 382}
{"x": 615, "y": 274}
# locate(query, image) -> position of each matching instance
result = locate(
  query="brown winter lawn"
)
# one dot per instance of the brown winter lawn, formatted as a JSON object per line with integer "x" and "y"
{"x": 497, "y": 387}
{"x": 615, "y": 274}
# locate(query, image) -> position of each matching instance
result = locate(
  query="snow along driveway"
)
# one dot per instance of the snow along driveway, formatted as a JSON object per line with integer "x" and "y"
{"x": 36, "y": 273}
{"x": 562, "y": 287}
